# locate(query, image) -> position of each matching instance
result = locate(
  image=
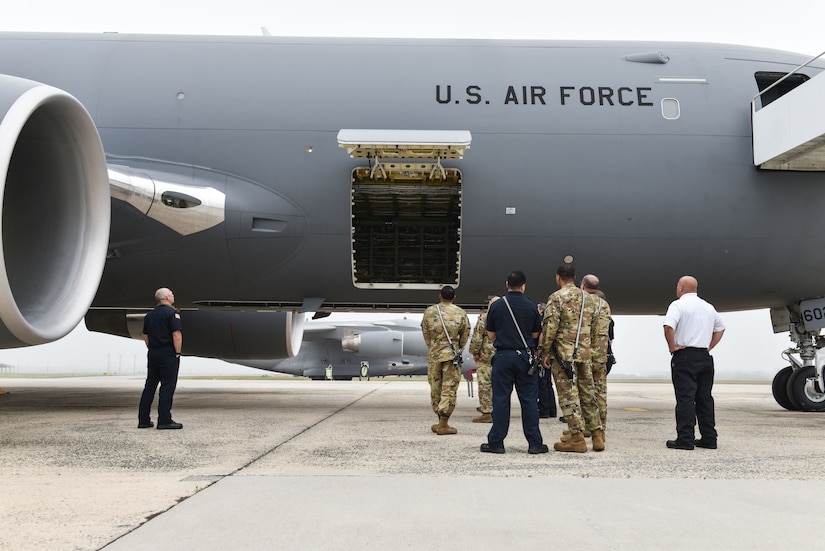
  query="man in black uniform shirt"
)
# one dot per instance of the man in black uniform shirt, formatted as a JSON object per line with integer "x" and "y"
{"x": 511, "y": 364}
{"x": 162, "y": 335}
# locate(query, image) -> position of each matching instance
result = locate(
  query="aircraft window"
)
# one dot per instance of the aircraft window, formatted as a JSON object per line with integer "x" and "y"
{"x": 671, "y": 109}
{"x": 765, "y": 78}
{"x": 179, "y": 200}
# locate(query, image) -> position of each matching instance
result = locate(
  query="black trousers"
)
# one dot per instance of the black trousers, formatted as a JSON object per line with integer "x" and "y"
{"x": 510, "y": 369}
{"x": 161, "y": 368}
{"x": 547, "y": 396}
{"x": 691, "y": 370}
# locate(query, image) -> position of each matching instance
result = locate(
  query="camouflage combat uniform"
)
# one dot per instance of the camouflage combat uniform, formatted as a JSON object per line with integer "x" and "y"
{"x": 443, "y": 376}
{"x": 482, "y": 346}
{"x": 598, "y": 356}
{"x": 560, "y": 325}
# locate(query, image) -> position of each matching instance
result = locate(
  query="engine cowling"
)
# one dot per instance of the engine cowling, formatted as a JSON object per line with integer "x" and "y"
{"x": 378, "y": 344}
{"x": 223, "y": 334}
{"x": 242, "y": 335}
{"x": 54, "y": 222}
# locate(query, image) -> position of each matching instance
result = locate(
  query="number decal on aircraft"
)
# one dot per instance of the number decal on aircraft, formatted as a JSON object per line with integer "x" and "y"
{"x": 813, "y": 313}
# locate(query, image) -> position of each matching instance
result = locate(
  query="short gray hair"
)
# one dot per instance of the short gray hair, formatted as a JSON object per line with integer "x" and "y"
{"x": 162, "y": 293}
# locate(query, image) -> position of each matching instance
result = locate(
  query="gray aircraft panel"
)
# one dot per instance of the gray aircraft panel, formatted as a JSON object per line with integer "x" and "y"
{"x": 570, "y": 135}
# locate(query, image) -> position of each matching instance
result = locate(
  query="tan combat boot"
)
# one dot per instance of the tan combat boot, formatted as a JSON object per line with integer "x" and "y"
{"x": 565, "y": 436}
{"x": 598, "y": 440}
{"x": 443, "y": 428}
{"x": 577, "y": 444}
{"x": 483, "y": 418}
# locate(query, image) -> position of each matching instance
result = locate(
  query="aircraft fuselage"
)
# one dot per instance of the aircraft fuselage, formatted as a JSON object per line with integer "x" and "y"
{"x": 639, "y": 171}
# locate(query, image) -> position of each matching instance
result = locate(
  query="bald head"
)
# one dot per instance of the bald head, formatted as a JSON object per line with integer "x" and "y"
{"x": 590, "y": 283}
{"x": 164, "y": 295}
{"x": 492, "y": 300}
{"x": 687, "y": 284}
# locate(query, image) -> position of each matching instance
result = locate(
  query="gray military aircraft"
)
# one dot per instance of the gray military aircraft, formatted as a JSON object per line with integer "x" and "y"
{"x": 344, "y": 350}
{"x": 264, "y": 177}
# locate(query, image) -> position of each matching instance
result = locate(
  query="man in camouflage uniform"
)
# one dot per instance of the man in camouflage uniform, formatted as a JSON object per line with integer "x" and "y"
{"x": 560, "y": 328}
{"x": 443, "y": 360}
{"x": 600, "y": 341}
{"x": 481, "y": 347}
{"x": 547, "y": 396}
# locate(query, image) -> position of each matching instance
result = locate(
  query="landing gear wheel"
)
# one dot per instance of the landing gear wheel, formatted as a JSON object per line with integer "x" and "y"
{"x": 800, "y": 395}
{"x": 780, "y": 388}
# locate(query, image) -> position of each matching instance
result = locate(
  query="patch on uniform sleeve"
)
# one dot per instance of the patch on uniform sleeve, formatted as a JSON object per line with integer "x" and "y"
{"x": 177, "y": 315}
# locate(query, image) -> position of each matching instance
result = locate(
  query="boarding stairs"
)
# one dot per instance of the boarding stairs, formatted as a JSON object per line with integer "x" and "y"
{"x": 789, "y": 132}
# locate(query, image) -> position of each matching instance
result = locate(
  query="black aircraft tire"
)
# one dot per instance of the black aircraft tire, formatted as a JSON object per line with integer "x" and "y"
{"x": 780, "y": 388}
{"x": 800, "y": 396}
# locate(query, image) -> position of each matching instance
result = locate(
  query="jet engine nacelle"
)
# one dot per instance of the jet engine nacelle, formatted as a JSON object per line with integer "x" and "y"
{"x": 241, "y": 335}
{"x": 54, "y": 222}
{"x": 375, "y": 344}
{"x": 225, "y": 334}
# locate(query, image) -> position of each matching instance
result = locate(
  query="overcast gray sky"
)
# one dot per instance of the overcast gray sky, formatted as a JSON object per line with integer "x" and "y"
{"x": 790, "y": 25}
{"x": 749, "y": 344}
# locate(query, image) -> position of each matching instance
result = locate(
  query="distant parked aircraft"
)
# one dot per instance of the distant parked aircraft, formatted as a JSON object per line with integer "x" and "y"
{"x": 357, "y": 349}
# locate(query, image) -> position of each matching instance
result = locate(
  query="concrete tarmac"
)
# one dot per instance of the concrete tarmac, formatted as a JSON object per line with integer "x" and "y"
{"x": 291, "y": 463}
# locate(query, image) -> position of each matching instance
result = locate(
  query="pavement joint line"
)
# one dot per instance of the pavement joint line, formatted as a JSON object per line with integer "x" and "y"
{"x": 303, "y": 431}
{"x": 218, "y": 478}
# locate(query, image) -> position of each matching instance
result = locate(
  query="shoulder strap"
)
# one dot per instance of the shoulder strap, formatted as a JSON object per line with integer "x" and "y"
{"x": 520, "y": 334}
{"x": 444, "y": 325}
{"x": 579, "y": 330}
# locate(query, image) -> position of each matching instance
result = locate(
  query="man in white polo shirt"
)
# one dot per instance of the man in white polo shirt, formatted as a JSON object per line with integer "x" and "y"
{"x": 692, "y": 329}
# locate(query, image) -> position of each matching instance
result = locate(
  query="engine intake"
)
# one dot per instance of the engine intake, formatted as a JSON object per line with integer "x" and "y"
{"x": 55, "y": 215}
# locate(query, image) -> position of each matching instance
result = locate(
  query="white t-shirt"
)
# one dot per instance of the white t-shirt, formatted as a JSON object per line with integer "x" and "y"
{"x": 693, "y": 320}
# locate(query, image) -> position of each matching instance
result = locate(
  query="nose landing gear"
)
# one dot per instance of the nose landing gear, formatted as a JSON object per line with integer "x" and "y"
{"x": 800, "y": 386}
